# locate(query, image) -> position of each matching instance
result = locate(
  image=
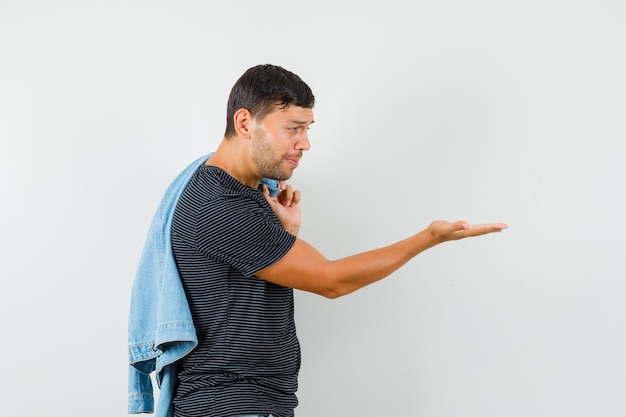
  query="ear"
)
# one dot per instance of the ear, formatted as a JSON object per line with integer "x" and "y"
{"x": 243, "y": 123}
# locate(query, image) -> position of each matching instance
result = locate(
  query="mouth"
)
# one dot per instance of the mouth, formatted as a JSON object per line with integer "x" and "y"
{"x": 294, "y": 161}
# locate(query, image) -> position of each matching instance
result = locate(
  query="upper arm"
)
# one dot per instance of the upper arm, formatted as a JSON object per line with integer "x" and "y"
{"x": 239, "y": 232}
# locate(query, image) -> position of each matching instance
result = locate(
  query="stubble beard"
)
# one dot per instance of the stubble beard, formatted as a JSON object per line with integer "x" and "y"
{"x": 268, "y": 166}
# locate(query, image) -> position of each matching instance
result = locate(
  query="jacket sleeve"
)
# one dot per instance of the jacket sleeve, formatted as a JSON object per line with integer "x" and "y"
{"x": 140, "y": 392}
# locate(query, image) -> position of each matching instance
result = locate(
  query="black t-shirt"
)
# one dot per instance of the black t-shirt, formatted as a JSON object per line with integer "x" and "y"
{"x": 248, "y": 356}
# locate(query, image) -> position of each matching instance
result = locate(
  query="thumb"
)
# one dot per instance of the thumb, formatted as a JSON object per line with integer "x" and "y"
{"x": 461, "y": 225}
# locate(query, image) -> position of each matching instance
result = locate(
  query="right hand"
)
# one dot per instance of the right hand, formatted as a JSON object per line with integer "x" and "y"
{"x": 286, "y": 207}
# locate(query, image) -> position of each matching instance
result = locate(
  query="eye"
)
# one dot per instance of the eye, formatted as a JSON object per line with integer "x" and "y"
{"x": 298, "y": 129}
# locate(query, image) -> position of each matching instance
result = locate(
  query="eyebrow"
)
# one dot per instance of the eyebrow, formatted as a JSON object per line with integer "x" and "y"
{"x": 300, "y": 122}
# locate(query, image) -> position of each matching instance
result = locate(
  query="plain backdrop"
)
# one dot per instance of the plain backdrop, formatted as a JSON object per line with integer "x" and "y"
{"x": 509, "y": 111}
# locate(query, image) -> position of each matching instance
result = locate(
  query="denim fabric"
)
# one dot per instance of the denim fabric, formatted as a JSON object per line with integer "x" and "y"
{"x": 160, "y": 326}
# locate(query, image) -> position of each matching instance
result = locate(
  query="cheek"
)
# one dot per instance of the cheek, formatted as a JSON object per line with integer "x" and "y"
{"x": 283, "y": 140}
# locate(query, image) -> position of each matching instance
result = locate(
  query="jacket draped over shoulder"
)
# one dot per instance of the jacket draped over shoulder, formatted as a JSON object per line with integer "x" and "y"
{"x": 160, "y": 327}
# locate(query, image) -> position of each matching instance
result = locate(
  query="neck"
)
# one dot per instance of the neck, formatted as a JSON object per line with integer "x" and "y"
{"x": 233, "y": 157}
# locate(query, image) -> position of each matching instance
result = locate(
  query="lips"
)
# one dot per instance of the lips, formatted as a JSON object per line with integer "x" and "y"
{"x": 294, "y": 160}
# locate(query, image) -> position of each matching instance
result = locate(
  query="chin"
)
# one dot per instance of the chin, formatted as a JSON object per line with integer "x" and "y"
{"x": 283, "y": 176}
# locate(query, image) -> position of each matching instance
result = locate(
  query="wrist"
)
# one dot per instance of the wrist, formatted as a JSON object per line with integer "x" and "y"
{"x": 431, "y": 237}
{"x": 291, "y": 228}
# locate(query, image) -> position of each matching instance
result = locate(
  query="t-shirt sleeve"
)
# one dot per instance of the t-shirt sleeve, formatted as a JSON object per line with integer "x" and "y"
{"x": 242, "y": 233}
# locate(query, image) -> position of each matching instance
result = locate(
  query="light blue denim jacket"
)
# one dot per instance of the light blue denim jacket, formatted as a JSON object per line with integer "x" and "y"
{"x": 160, "y": 326}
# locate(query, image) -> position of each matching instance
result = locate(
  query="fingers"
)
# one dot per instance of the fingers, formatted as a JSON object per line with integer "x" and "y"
{"x": 497, "y": 226}
{"x": 483, "y": 229}
{"x": 296, "y": 197}
{"x": 494, "y": 227}
{"x": 288, "y": 196}
{"x": 463, "y": 225}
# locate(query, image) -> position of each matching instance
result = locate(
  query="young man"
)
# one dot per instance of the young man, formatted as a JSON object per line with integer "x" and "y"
{"x": 239, "y": 258}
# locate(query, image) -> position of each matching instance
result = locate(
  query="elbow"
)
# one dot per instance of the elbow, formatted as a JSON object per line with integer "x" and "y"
{"x": 333, "y": 292}
{"x": 333, "y": 285}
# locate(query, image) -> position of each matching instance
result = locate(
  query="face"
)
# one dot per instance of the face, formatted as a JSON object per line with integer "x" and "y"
{"x": 279, "y": 139}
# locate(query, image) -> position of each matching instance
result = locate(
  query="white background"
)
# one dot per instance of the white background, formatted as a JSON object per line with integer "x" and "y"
{"x": 508, "y": 111}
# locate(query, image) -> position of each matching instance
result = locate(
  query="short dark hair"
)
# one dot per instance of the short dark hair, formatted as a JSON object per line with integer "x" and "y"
{"x": 261, "y": 88}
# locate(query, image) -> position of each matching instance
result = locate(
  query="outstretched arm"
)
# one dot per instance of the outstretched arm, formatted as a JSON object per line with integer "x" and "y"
{"x": 305, "y": 268}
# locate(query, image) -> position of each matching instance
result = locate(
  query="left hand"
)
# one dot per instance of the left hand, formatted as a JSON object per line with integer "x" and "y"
{"x": 286, "y": 207}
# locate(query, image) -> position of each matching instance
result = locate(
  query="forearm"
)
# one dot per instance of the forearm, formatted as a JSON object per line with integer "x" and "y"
{"x": 354, "y": 272}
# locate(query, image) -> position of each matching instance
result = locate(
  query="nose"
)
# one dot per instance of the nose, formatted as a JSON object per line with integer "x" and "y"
{"x": 303, "y": 143}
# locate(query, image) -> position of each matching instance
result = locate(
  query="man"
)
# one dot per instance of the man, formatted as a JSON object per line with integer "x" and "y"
{"x": 239, "y": 258}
